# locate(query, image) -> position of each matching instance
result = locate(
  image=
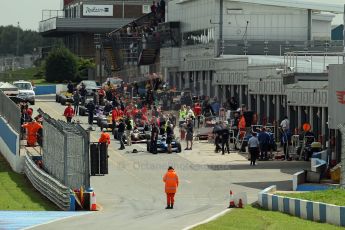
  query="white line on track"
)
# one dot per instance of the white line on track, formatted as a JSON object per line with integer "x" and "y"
{"x": 222, "y": 213}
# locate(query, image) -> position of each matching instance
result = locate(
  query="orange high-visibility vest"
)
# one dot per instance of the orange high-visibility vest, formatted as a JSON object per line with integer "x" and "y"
{"x": 105, "y": 138}
{"x": 171, "y": 181}
{"x": 32, "y": 129}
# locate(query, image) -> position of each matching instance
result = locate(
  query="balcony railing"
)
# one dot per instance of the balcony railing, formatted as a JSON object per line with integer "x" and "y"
{"x": 262, "y": 47}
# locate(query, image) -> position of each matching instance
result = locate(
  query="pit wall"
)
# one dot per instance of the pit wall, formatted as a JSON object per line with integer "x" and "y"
{"x": 308, "y": 210}
{"x": 9, "y": 146}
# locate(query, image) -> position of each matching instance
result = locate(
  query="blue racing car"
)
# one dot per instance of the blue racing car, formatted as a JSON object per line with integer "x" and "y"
{"x": 162, "y": 146}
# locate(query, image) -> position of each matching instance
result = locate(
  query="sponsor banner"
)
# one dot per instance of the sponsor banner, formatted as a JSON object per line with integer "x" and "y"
{"x": 98, "y": 10}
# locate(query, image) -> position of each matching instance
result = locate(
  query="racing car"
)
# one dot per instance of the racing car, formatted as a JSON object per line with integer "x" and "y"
{"x": 162, "y": 146}
{"x": 64, "y": 97}
{"x": 139, "y": 136}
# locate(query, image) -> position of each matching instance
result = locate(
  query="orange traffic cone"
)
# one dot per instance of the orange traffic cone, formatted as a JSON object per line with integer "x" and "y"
{"x": 240, "y": 204}
{"x": 93, "y": 206}
{"x": 232, "y": 202}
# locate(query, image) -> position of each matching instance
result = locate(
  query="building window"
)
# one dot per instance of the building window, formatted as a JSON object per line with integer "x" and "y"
{"x": 203, "y": 36}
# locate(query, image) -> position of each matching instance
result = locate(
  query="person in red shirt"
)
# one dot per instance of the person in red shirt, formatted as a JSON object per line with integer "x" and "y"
{"x": 135, "y": 111}
{"x": 144, "y": 118}
{"x": 114, "y": 116}
{"x": 197, "y": 112}
{"x": 69, "y": 113}
{"x": 144, "y": 109}
{"x": 120, "y": 113}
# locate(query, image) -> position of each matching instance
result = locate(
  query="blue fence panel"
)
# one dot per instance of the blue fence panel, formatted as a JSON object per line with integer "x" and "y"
{"x": 8, "y": 135}
{"x": 45, "y": 89}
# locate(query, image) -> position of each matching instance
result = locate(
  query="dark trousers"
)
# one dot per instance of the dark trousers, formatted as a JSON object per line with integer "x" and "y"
{"x": 90, "y": 118}
{"x": 198, "y": 119}
{"x": 253, "y": 154}
{"x": 264, "y": 149}
{"x": 225, "y": 142}
{"x": 154, "y": 146}
{"x": 217, "y": 142}
{"x": 120, "y": 138}
{"x": 286, "y": 150}
{"x": 69, "y": 119}
{"x": 76, "y": 109}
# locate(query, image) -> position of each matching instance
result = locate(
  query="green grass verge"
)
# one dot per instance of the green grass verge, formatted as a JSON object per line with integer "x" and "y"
{"x": 332, "y": 196}
{"x": 254, "y": 218}
{"x": 28, "y": 74}
{"x": 17, "y": 193}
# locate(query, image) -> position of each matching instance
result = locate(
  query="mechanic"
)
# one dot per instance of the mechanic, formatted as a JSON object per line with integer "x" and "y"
{"x": 225, "y": 135}
{"x": 189, "y": 135}
{"x": 264, "y": 140}
{"x": 182, "y": 115}
{"x": 70, "y": 87}
{"x": 129, "y": 127}
{"x": 91, "y": 109}
{"x": 171, "y": 184}
{"x": 197, "y": 113}
{"x": 107, "y": 108}
{"x": 217, "y": 137}
{"x": 154, "y": 138}
{"x": 32, "y": 130}
{"x": 114, "y": 116}
{"x": 120, "y": 131}
{"x": 254, "y": 148}
{"x": 76, "y": 101}
{"x": 69, "y": 113}
{"x": 170, "y": 135}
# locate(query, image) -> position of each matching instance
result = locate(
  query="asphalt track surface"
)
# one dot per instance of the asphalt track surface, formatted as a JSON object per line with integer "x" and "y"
{"x": 132, "y": 195}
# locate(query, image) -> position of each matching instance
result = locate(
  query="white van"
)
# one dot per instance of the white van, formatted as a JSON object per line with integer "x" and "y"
{"x": 26, "y": 91}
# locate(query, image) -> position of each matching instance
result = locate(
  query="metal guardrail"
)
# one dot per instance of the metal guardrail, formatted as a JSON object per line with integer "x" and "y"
{"x": 66, "y": 152}
{"x": 47, "y": 185}
{"x": 10, "y": 111}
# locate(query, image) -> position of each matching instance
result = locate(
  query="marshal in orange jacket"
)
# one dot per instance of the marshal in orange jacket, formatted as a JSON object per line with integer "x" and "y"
{"x": 105, "y": 138}
{"x": 171, "y": 181}
{"x": 32, "y": 129}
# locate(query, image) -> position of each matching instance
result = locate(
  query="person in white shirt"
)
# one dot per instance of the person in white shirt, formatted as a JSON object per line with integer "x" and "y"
{"x": 254, "y": 148}
{"x": 190, "y": 113}
{"x": 285, "y": 124}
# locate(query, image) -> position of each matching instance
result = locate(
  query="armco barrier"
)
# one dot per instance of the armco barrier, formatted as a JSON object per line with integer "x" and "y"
{"x": 48, "y": 186}
{"x": 9, "y": 145}
{"x": 309, "y": 210}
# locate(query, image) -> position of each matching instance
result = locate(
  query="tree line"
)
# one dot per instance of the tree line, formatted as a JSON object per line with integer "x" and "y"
{"x": 28, "y": 40}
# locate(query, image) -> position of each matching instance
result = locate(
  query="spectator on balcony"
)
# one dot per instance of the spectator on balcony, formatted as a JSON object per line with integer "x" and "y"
{"x": 129, "y": 31}
{"x": 161, "y": 11}
{"x": 154, "y": 8}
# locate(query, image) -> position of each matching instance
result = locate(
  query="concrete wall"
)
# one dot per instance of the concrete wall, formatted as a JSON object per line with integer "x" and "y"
{"x": 9, "y": 146}
{"x": 264, "y": 22}
{"x": 336, "y": 92}
{"x": 309, "y": 210}
{"x": 193, "y": 15}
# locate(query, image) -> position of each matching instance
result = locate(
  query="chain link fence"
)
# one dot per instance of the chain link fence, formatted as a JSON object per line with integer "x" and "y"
{"x": 66, "y": 152}
{"x": 10, "y": 111}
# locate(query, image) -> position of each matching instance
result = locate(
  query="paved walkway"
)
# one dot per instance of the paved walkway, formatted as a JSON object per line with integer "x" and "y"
{"x": 28, "y": 219}
{"x": 132, "y": 194}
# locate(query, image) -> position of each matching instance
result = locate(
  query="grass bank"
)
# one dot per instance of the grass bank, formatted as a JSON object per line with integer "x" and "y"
{"x": 254, "y": 218}
{"x": 17, "y": 193}
{"x": 332, "y": 196}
